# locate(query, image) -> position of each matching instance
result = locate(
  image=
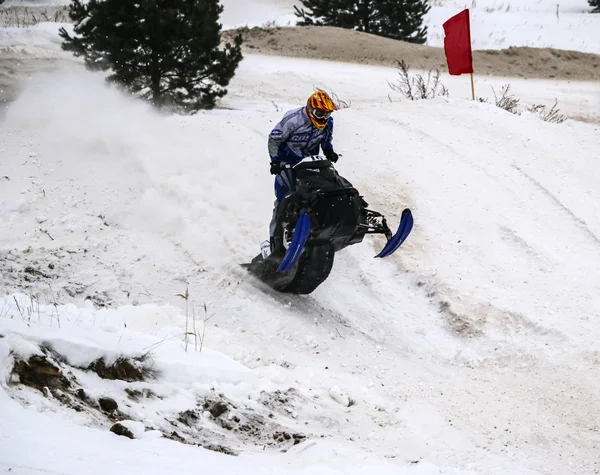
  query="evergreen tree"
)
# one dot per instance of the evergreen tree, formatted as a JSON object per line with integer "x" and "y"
{"x": 166, "y": 51}
{"x": 595, "y": 4}
{"x": 398, "y": 19}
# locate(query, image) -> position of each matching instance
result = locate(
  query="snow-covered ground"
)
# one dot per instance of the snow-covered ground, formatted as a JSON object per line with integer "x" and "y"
{"x": 65, "y": 443}
{"x": 39, "y": 41}
{"x": 464, "y": 351}
{"x": 495, "y": 24}
{"x": 473, "y": 350}
{"x": 579, "y": 99}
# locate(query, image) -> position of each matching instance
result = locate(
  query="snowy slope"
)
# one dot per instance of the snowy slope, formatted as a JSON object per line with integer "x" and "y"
{"x": 73, "y": 442}
{"x": 472, "y": 351}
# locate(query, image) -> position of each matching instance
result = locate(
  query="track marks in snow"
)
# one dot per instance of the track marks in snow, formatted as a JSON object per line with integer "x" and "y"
{"x": 581, "y": 224}
{"x": 512, "y": 236}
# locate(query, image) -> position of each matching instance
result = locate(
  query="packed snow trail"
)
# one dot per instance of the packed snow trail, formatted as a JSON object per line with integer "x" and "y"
{"x": 463, "y": 350}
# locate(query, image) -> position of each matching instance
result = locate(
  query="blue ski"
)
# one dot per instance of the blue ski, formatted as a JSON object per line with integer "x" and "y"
{"x": 404, "y": 229}
{"x": 297, "y": 245}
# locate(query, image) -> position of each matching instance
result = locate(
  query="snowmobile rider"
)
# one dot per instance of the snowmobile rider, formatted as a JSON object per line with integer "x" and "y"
{"x": 299, "y": 135}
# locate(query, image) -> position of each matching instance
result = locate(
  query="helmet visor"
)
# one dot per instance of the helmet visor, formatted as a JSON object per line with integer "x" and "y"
{"x": 321, "y": 115}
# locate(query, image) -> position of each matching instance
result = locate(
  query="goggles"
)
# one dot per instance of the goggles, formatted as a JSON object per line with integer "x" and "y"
{"x": 321, "y": 115}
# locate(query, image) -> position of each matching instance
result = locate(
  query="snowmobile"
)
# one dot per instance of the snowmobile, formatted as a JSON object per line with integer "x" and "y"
{"x": 322, "y": 214}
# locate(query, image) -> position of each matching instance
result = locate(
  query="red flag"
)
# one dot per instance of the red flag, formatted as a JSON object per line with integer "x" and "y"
{"x": 457, "y": 44}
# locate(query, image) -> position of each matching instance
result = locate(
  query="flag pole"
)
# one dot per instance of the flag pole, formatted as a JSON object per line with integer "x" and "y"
{"x": 472, "y": 87}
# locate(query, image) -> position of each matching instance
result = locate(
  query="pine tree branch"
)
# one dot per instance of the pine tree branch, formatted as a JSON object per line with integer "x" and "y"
{"x": 171, "y": 47}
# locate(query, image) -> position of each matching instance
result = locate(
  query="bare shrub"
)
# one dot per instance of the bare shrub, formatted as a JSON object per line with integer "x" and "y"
{"x": 506, "y": 100}
{"x": 509, "y": 102}
{"x": 23, "y": 17}
{"x": 198, "y": 337}
{"x": 551, "y": 115}
{"x": 269, "y": 25}
{"x": 497, "y": 8}
{"x": 418, "y": 87}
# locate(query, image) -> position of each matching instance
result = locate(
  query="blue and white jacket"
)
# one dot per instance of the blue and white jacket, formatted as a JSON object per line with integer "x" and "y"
{"x": 295, "y": 137}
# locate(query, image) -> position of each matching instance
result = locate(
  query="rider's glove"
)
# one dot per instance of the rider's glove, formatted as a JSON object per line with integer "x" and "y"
{"x": 275, "y": 168}
{"x": 331, "y": 155}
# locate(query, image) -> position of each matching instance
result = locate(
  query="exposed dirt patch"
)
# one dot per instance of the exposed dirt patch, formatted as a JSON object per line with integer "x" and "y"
{"x": 461, "y": 325}
{"x": 39, "y": 373}
{"x": 125, "y": 369}
{"x": 280, "y": 401}
{"x": 215, "y": 422}
{"x": 216, "y": 408}
{"x": 201, "y": 440}
{"x": 281, "y": 437}
{"x": 137, "y": 395}
{"x": 27, "y": 268}
{"x": 218, "y": 419}
{"x": 54, "y": 378}
{"x": 48, "y": 271}
{"x": 336, "y": 44}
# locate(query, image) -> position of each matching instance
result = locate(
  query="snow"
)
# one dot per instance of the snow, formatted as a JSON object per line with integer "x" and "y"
{"x": 50, "y": 426}
{"x": 67, "y": 448}
{"x": 237, "y": 13}
{"x": 471, "y": 340}
{"x": 263, "y": 76}
{"x": 339, "y": 397}
{"x": 37, "y": 41}
{"x": 472, "y": 350}
{"x": 495, "y": 24}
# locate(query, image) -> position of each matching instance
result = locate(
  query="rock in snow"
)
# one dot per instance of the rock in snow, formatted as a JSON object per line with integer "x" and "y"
{"x": 128, "y": 428}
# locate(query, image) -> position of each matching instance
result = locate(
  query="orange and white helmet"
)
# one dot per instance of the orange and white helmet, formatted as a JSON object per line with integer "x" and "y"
{"x": 319, "y": 108}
